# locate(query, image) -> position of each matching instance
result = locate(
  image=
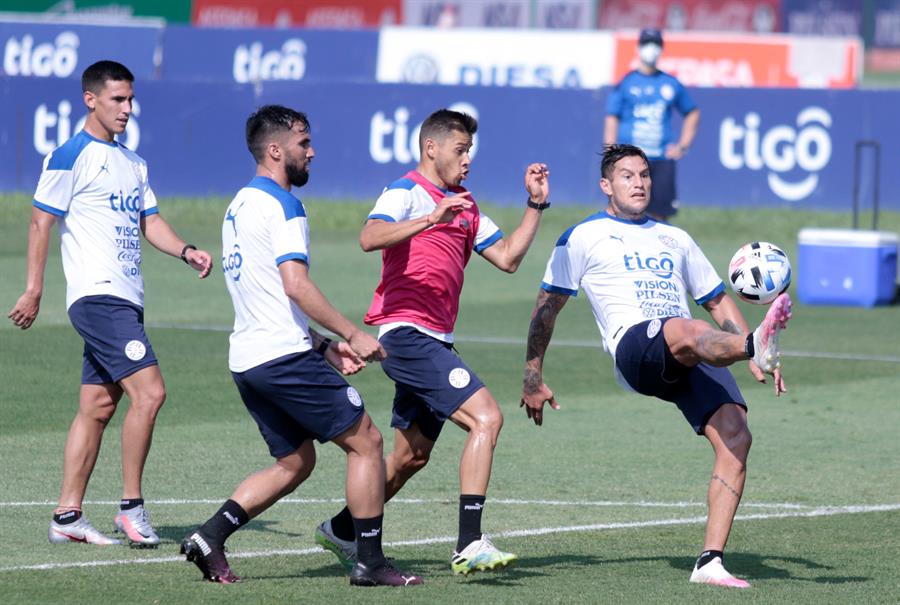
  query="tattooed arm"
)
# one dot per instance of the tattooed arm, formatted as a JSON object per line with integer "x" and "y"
{"x": 727, "y": 315}
{"x": 534, "y": 392}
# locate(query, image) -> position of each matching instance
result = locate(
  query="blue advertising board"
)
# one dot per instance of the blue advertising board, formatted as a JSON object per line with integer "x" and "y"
{"x": 261, "y": 55}
{"x": 44, "y": 50}
{"x": 789, "y": 148}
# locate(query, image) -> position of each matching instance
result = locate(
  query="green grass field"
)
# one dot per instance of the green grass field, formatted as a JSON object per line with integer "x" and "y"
{"x": 604, "y": 503}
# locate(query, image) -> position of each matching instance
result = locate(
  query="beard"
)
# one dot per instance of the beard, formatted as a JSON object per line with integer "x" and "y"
{"x": 297, "y": 177}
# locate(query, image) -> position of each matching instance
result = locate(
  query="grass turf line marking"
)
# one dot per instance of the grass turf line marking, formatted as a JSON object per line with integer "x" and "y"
{"x": 824, "y": 511}
{"x": 589, "y": 344}
{"x": 494, "y": 501}
{"x": 500, "y": 340}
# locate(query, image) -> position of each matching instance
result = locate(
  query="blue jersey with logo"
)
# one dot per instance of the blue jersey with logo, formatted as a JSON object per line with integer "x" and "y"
{"x": 631, "y": 271}
{"x": 99, "y": 191}
{"x": 643, "y": 103}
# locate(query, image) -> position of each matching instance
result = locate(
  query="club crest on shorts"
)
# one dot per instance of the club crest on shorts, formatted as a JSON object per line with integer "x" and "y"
{"x": 353, "y": 396}
{"x": 135, "y": 350}
{"x": 653, "y": 328}
{"x": 459, "y": 377}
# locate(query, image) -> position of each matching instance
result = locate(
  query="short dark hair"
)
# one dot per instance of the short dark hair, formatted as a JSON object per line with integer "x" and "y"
{"x": 443, "y": 121}
{"x": 268, "y": 120}
{"x": 95, "y": 76}
{"x": 614, "y": 153}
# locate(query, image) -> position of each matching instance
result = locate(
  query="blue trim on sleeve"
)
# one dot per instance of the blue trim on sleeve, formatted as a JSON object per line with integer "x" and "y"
{"x": 64, "y": 156}
{"x": 716, "y": 291}
{"x": 146, "y": 213}
{"x": 291, "y": 206}
{"x": 48, "y": 209}
{"x": 493, "y": 239}
{"x": 558, "y": 289}
{"x": 292, "y": 256}
{"x": 406, "y": 184}
{"x": 383, "y": 217}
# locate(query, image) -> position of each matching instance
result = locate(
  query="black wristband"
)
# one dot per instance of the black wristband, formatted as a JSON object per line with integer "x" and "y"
{"x": 536, "y": 206}
{"x": 184, "y": 252}
{"x": 749, "y": 349}
{"x": 323, "y": 346}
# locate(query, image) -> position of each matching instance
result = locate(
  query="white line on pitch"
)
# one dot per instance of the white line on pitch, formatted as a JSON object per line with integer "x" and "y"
{"x": 825, "y": 511}
{"x": 494, "y": 501}
{"x": 589, "y": 344}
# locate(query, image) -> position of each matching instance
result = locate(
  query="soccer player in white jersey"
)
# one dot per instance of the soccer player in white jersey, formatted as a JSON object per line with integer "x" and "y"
{"x": 637, "y": 274}
{"x": 281, "y": 366}
{"x": 427, "y": 226}
{"x": 97, "y": 191}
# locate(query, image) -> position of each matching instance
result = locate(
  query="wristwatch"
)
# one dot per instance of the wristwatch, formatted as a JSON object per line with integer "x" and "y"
{"x": 536, "y": 206}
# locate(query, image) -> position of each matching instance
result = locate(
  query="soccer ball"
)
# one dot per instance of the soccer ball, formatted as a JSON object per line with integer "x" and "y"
{"x": 759, "y": 272}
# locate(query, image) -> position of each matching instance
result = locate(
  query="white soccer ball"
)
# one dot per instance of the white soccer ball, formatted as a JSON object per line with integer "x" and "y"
{"x": 759, "y": 272}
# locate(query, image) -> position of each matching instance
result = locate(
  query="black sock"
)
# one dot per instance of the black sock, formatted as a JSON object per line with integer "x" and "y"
{"x": 129, "y": 503}
{"x": 66, "y": 517}
{"x": 470, "y": 508}
{"x": 368, "y": 541}
{"x": 225, "y": 522}
{"x": 342, "y": 525}
{"x": 749, "y": 348}
{"x": 708, "y": 555}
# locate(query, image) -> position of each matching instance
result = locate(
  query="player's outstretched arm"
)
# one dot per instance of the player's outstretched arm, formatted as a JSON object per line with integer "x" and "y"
{"x": 303, "y": 291}
{"x": 159, "y": 233}
{"x": 379, "y": 234}
{"x": 508, "y": 253}
{"x": 534, "y": 392}
{"x": 25, "y": 312}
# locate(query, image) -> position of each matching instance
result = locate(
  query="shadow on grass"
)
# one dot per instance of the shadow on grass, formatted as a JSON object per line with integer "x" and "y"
{"x": 760, "y": 567}
{"x": 176, "y": 533}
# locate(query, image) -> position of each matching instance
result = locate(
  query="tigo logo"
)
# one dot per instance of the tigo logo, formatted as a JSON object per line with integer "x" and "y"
{"x": 22, "y": 57}
{"x": 780, "y": 149}
{"x": 392, "y": 140}
{"x": 45, "y": 121}
{"x": 251, "y": 64}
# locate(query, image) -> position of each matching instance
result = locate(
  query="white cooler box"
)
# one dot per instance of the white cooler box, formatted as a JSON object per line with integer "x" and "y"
{"x": 847, "y": 267}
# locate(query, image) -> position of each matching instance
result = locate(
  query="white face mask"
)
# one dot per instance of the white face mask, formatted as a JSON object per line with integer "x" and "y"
{"x": 649, "y": 53}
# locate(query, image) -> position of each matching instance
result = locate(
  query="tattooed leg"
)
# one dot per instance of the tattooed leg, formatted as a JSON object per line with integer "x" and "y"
{"x": 728, "y": 434}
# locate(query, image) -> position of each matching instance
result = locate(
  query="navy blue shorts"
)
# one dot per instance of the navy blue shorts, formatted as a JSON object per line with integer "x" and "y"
{"x": 662, "y": 190}
{"x": 431, "y": 380}
{"x": 115, "y": 345}
{"x": 644, "y": 360}
{"x": 298, "y": 397}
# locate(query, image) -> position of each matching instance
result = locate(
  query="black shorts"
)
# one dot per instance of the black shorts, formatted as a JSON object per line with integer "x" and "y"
{"x": 644, "y": 360}
{"x": 115, "y": 345}
{"x": 662, "y": 189}
{"x": 297, "y": 397}
{"x": 431, "y": 380}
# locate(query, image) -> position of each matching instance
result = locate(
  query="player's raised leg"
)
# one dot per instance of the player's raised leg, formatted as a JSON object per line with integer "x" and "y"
{"x": 730, "y": 437}
{"x": 147, "y": 392}
{"x": 481, "y": 417}
{"x": 96, "y": 406}
{"x": 205, "y": 546}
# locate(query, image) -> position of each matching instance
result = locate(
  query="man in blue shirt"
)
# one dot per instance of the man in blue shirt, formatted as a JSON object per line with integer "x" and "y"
{"x": 639, "y": 112}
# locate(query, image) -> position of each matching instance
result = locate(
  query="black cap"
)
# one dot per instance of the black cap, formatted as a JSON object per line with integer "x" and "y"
{"x": 650, "y": 35}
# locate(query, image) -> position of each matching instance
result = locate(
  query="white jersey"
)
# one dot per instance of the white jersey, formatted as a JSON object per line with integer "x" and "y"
{"x": 99, "y": 191}
{"x": 264, "y": 226}
{"x": 631, "y": 271}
